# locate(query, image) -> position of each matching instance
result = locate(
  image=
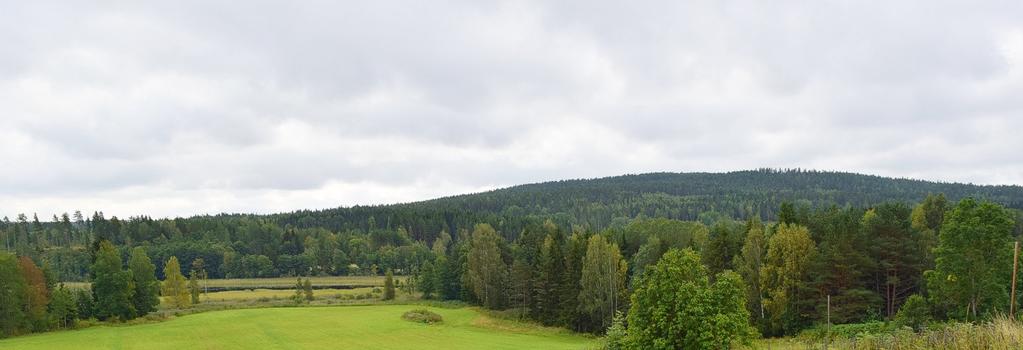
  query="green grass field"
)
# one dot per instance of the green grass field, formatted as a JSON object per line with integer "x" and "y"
{"x": 347, "y": 327}
{"x": 279, "y": 282}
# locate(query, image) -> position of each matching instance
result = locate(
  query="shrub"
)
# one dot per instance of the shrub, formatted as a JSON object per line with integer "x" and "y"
{"x": 422, "y": 316}
{"x": 914, "y": 313}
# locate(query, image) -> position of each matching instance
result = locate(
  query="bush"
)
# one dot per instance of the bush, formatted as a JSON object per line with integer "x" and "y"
{"x": 914, "y": 313}
{"x": 422, "y": 316}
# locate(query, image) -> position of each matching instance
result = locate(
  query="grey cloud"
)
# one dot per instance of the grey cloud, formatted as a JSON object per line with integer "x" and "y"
{"x": 271, "y": 102}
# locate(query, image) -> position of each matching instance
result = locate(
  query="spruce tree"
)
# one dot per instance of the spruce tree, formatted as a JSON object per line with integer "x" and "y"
{"x": 112, "y": 286}
{"x": 389, "y": 285}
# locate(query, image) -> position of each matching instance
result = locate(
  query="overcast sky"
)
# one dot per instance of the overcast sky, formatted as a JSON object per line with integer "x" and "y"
{"x": 178, "y": 108}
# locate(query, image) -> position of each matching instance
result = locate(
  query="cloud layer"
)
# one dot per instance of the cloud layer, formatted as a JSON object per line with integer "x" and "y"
{"x": 191, "y": 107}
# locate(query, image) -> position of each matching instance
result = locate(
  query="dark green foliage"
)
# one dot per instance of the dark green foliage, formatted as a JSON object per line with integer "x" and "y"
{"x": 147, "y": 288}
{"x": 914, "y": 313}
{"x": 63, "y": 308}
{"x": 429, "y": 280}
{"x": 724, "y": 243}
{"x": 12, "y": 297}
{"x": 86, "y": 304}
{"x": 389, "y": 286}
{"x": 548, "y": 282}
{"x": 112, "y": 286}
{"x": 972, "y": 268}
{"x": 675, "y": 306}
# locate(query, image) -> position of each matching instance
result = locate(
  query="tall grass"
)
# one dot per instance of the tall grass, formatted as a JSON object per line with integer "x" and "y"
{"x": 1001, "y": 333}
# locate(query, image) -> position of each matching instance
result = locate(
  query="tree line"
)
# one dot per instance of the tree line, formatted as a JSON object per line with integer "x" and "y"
{"x": 33, "y": 300}
{"x": 871, "y": 261}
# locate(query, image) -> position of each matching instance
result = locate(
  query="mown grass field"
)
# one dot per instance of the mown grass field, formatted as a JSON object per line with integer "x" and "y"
{"x": 344, "y": 327}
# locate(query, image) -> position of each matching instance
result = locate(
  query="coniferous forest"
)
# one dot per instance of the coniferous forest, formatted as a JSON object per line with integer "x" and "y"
{"x": 768, "y": 247}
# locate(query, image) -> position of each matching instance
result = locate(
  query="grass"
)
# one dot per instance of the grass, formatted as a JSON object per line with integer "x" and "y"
{"x": 348, "y": 327}
{"x": 279, "y": 282}
{"x": 256, "y": 294}
{"x": 999, "y": 334}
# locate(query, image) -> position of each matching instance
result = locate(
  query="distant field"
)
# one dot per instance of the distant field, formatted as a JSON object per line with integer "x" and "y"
{"x": 348, "y": 327}
{"x": 244, "y": 295}
{"x": 282, "y": 282}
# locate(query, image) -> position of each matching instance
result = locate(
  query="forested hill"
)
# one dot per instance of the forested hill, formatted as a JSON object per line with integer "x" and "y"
{"x": 596, "y": 203}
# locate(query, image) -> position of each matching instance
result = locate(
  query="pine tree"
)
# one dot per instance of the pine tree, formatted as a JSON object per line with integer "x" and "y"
{"x": 112, "y": 286}
{"x": 175, "y": 288}
{"x": 147, "y": 288}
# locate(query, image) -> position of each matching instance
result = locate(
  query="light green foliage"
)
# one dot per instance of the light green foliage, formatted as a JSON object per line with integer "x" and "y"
{"x": 112, "y": 286}
{"x": 748, "y": 264}
{"x": 63, "y": 308}
{"x": 389, "y": 285}
{"x": 972, "y": 260}
{"x": 675, "y": 306}
{"x": 617, "y": 335}
{"x": 193, "y": 287}
{"x": 488, "y": 273}
{"x": 784, "y": 276}
{"x": 174, "y": 288}
{"x": 351, "y": 327}
{"x": 602, "y": 286}
{"x": 147, "y": 287}
{"x": 307, "y": 287}
{"x": 914, "y": 313}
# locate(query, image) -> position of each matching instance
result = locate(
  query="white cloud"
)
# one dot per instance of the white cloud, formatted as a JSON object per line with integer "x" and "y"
{"x": 201, "y": 107}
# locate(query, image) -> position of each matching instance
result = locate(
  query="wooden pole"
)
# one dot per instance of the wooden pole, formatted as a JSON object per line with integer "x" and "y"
{"x": 1015, "y": 266}
{"x": 827, "y": 338}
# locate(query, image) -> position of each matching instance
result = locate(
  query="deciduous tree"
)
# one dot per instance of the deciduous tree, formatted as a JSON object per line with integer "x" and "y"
{"x": 175, "y": 288}
{"x": 602, "y": 285}
{"x": 973, "y": 260}
{"x": 147, "y": 288}
{"x": 675, "y": 306}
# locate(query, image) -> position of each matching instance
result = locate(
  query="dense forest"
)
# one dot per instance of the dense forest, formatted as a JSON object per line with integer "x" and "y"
{"x": 571, "y": 253}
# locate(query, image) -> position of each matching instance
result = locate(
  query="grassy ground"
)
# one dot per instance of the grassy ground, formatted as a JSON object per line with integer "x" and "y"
{"x": 256, "y": 294}
{"x": 348, "y": 327}
{"x": 280, "y": 282}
